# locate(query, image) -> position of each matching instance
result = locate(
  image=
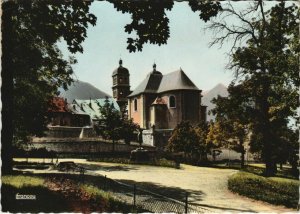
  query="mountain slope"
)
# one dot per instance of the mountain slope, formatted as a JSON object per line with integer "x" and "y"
{"x": 219, "y": 89}
{"x": 82, "y": 91}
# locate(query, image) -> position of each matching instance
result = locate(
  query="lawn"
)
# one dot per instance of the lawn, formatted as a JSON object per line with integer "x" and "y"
{"x": 57, "y": 193}
{"x": 275, "y": 190}
{"x": 46, "y": 200}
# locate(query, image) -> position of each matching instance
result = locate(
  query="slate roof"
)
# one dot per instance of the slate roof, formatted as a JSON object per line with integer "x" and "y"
{"x": 149, "y": 85}
{"x": 176, "y": 80}
{"x": 155, "y": 82}
{"x": 90, "y": 107}
{"x": 120, "y": 69}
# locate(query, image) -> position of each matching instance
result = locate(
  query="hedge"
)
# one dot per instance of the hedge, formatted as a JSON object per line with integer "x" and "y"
{"x": 279, "y": 191}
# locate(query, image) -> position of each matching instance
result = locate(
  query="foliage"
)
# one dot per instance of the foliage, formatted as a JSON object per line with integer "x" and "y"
{"x": 113, "y": 126}
{"x": 278, "y": 191}
{"x": 150, "y": 22}
{"x": 128, "y": 130}
{"x": 232, "y": 121}
{"x": 216, "y": 136}
{"x": 110, "y": 121}
{"x": 189, "y": 139}
{"x": 162, "y": 162}
{"x": 32, "y": 66}
{"x": 266, "y": 67}
{"x": 113, "y": 204}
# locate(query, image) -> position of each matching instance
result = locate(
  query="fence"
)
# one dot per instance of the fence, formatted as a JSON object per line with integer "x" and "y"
{"x": 141, "y": 199}
{"x": 147, "y": 200}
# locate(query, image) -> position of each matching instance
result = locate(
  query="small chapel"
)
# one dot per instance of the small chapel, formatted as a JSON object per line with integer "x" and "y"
{"x": 159, "y": 101}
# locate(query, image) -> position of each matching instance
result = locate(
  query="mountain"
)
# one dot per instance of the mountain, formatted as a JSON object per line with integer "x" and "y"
{"x": 219, "y": 89}
{"x": 82, "y": 91}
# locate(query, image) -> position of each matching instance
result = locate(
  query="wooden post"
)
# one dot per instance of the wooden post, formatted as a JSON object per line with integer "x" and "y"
{"x": 134, "y": 197}
{"x": 186, "y": 202}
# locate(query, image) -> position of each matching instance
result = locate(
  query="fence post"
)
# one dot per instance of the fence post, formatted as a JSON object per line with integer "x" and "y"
{"x": 134, "y": 197}
{"x": 82, "y": 174}
{"x": 186, "y": 202}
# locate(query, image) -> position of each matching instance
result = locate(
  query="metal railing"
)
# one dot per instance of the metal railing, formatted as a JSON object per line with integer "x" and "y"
{"x": 147, "y": 200}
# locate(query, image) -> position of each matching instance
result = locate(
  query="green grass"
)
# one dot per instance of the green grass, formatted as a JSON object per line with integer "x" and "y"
{"x": 20, "y": 181}
{"x": 113, "y": 204}
{"x": 46, "y": 200}
{"x": 279, "y": 191}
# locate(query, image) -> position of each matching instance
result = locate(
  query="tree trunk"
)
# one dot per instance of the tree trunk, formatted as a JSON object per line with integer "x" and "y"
{"x": 242, "y": 153}
{"x": 7, "y": 90}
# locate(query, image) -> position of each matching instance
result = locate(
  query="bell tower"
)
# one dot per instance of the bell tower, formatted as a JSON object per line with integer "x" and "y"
{"x": 121, "y": 86}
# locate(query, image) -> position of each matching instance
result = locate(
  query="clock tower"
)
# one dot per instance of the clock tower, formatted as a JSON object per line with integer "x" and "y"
{"x": 121, "y": 86}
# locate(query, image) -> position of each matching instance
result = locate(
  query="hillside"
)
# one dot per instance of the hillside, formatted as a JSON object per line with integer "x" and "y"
{"x": 83, "y": 91}
{"x": 219, "y": 89}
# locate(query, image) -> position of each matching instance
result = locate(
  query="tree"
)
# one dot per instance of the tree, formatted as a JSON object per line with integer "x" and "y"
{"x": 112, "y": 126}
{"x": 183, "y": 139}
{"x": 31, "y": 62}
{"x": 233, "y": 116}
{"x": 190, "y": 140}
{"x": 266, "y": 67}
{"x": 150, "y": 22}
{"x": 32, "y": 65}
{"x": 110, "y": 122}
{"x": 128, "y": 130}
{"x": 201, "y": 149}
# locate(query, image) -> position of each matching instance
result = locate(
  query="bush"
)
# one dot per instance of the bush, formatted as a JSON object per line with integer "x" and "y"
{"x": 156, "y": 162}
{"x": 279, "y": 191}
{"x": 113, "y": 205}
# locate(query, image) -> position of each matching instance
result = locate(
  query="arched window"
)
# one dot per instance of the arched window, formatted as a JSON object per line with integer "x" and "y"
{"x": 172, "y": 101}
{"x": 135, "y": 104}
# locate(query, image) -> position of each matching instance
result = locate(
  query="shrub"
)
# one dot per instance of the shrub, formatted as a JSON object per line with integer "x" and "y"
{"x": 279, "y": 191}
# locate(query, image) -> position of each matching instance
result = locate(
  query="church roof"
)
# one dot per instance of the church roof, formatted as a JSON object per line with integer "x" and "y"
{"x": 176, "y": 80}
{"x": 155, "y": 82}
{"x": 120, "y": 69}
{"x": 150, "y": 84}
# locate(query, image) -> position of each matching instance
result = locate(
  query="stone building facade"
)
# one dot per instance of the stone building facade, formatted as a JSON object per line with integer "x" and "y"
{"x": 164, "y": 101}
{"x": 160, "y": 102}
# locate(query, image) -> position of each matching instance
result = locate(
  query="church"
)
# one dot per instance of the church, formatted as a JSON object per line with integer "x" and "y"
{"x": 160, "y": 101}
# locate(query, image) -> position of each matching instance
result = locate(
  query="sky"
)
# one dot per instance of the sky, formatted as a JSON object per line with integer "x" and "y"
{"x": 187, "y": 48}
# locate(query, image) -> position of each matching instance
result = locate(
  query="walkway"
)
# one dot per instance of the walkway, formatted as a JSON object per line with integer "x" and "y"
{"x": 207, "y": 186}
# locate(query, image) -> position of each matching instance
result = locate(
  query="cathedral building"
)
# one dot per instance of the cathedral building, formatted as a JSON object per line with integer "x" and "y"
{"x": 160, "y": 101}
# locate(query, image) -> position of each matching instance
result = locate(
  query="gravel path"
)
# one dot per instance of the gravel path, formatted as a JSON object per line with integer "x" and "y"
{"x": 207, "y": 186}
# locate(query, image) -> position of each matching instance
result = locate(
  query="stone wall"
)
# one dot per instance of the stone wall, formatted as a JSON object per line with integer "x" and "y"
{"x": 84, "y": 146}
{"x": 67, "y": 131}
{"x": 156, "y": 137}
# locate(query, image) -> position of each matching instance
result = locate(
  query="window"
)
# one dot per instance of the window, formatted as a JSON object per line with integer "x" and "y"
{"x": 172, "y": 102}
{"x": 135, "y": 104}
{"x": 115, "y": 80}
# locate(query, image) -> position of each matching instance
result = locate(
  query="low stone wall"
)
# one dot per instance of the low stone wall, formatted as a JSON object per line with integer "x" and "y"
{"x": 68, "y": 131}
{"x": 157, "y": 137}
{"x": 84, "y": 146}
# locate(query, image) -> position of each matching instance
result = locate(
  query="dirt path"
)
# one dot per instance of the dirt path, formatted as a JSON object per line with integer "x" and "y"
{"x": 206, "y": 186}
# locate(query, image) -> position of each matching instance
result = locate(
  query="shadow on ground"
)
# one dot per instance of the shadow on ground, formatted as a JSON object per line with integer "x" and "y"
{"x": 94, "y": 167}
{"x": 194, "y": 197}
{"x": 171, "y": 192}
